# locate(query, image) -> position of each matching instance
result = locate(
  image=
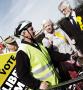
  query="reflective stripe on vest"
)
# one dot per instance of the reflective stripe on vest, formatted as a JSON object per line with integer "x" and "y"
{"x": 39, "y": 60}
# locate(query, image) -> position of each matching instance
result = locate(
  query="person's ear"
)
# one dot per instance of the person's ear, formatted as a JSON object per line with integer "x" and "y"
{"x": 23, "y": 33}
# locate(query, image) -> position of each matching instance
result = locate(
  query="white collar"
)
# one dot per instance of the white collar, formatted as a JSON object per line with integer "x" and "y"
{"x": 73, "y": 14}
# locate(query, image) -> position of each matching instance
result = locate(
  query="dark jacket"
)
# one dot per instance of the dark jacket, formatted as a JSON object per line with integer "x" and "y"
{"x": 74, "y": 33}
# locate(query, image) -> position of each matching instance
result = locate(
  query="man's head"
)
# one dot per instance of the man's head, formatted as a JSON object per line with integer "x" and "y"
{"x": 48, "y": 25}
{"x": 11, "y": 43}
{"x": 65, "y": 8}
{"x": 24, "y": 29}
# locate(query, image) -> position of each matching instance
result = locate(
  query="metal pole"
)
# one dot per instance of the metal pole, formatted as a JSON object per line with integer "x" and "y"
{"x": 67, "y": 83}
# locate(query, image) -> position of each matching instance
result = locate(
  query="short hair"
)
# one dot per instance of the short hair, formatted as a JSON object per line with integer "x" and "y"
{"x": 64, "y": 3}
{"x": 46, "y": 21}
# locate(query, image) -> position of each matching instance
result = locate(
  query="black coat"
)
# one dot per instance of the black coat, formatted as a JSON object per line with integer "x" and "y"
{"x": 74, "y": 33}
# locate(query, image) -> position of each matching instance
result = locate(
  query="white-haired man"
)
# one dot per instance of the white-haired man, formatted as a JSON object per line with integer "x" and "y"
{"x": 57, "y": 37}
{"x": 72, "y": 24}
{"x": 58, "y": 40}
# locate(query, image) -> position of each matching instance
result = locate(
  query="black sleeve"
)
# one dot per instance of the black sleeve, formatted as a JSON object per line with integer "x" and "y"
{"x": 58, "y": 57}
{"x": 24, "y": 72}
{"x": 61, "y": 56}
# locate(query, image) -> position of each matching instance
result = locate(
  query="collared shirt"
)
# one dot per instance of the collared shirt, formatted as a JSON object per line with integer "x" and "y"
{"x": 73, "y": 14}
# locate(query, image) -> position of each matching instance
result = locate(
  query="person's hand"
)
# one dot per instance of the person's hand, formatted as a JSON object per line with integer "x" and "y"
{"x": 80, "y": 54}
{"x": 73, "y": 41}
{"x": 44, "y": 85}
{"x": 51, "y": 42}
{"x": 74, "y": 56}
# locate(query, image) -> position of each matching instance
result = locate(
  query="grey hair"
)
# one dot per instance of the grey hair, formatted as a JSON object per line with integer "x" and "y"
{"x": 47, "y": 20}
{"x": 64, "y": 3}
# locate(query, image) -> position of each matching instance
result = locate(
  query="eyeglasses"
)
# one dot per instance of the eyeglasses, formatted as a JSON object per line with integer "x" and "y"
{"x": 63, "y": 9}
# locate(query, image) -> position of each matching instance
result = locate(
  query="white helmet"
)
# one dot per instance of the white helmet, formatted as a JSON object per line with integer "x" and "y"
{"x": 23, "y": 25}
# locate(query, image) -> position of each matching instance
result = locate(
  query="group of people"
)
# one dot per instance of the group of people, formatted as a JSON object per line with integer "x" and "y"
{"x": 41, "y": 65}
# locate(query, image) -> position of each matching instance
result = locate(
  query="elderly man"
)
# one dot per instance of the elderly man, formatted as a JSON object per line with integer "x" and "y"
{"x": 58, "y": 40}
{"x": 72, "y": 24}
{"x": 57, "y": 37}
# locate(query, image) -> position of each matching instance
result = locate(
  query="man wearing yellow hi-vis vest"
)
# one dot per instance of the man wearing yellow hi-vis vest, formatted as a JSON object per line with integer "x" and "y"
{"x": 33, "y": 62}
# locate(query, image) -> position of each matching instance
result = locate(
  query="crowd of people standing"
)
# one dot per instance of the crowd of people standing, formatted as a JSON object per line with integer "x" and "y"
{"x": 53, "y": 60}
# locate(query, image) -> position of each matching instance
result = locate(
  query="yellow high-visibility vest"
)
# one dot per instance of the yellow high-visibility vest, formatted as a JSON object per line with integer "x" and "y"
{"x": 39, "y": 61}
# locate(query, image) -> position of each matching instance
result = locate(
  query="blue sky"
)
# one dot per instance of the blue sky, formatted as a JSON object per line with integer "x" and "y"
{"x": 13, "y": 11}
